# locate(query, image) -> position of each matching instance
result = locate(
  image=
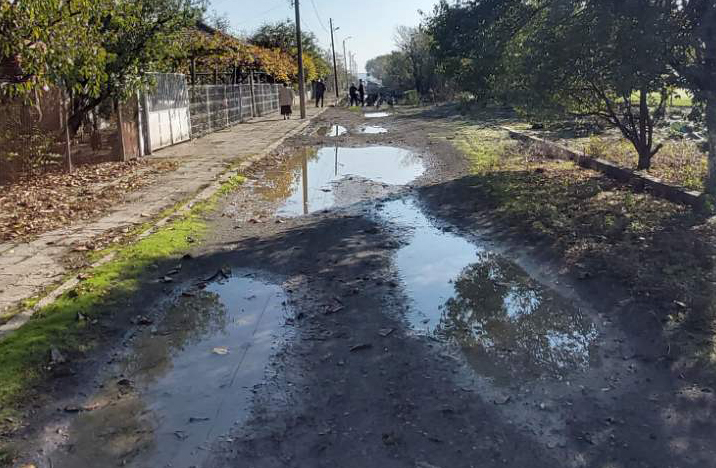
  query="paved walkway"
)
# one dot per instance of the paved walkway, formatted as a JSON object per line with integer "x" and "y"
{"x": 27, "y": 269}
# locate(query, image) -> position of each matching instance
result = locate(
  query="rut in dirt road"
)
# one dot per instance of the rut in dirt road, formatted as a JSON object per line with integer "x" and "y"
{"x": 353, "y": 307}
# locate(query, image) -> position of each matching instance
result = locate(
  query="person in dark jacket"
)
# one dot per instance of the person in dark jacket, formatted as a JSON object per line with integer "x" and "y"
{"x": 353, "y": 93}
{"x": 320, "y": 92}
{"x": 361, "y": 92}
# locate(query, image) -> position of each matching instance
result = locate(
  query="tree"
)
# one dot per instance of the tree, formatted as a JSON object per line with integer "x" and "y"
{"x": 469, "y": 39}
{"x": 282, "y": 35}
{"x": 377, "y": 67}
{"x": 135, "y": 36}
{"x": 414, "y": 43}
{"x": 97, "y": 50}
{"x": 41, "y": 39}
{"x": 593, "y": 58}
{"x": 695, "y": 21}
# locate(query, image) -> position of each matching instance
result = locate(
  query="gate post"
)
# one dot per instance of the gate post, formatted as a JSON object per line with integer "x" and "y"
{"x": 208, "y": 111}
{"x": 253, "y": 95}
{"x": 226, "y": 106}
{"x": 241, "y": 104}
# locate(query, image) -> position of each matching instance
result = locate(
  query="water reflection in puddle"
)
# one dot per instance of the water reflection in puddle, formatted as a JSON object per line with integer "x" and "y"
{"x": 308, "y": 183}
{"x": 372, "y": 130}
{"x": 508, "y": 326}
{"x": 374, "y": 115}
{"x": 186, "y": 383}
{"x": 335, "y": 131}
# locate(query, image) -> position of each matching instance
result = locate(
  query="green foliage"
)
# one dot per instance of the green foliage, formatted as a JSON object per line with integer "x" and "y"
{"x": 282, "y": 36}
{"x": 97, "y": 50}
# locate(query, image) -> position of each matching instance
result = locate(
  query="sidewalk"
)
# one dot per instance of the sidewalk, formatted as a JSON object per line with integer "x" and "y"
{"x": 27, "y": 269}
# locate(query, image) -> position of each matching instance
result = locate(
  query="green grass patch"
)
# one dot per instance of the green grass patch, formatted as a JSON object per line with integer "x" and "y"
{"x": 24, "y": 354}
{"x": 231, "y": 184}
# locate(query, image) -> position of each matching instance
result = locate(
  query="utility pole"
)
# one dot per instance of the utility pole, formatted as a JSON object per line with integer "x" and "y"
{"x": 301, "y": 84}
{"x": 335, "y": 67}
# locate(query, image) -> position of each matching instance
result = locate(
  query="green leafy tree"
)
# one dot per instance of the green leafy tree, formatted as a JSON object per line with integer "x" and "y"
{"x": 282, "y": 35}
{"x": 593, "y": 58}
{"x": 135, "y": 36}
{"x": 469, "y": 39}
{"x": 378, "y": 66}
{"x": 97, "y": 50}
{"x": 695, "y": 23}
{"x": 41, "y": 40}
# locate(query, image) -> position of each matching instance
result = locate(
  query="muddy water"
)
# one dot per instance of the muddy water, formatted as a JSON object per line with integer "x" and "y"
{"x": 373, "y": 130}
{"x": 185, "y": 383}
{"x": 334, "y": 131}
{"x": 509, "y": 327}
{"x": 309, "y": 181}
{"x": 375, "y": 115}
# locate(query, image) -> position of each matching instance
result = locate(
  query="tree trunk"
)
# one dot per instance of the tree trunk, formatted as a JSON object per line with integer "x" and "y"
{"x": 643, "y": 145}
{"x": 711, "y": 126}
{"x": 644, "y": 157}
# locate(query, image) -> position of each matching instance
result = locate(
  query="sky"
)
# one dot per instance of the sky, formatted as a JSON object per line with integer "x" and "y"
{"x": 371, "y": 23}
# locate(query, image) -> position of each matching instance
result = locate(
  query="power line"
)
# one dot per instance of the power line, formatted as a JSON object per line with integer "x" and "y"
{"x": 261, "y": 15}
{"x": 320, "y": 21}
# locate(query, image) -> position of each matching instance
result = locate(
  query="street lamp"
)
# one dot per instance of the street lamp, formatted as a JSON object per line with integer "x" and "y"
{"x": 345, "y": 57}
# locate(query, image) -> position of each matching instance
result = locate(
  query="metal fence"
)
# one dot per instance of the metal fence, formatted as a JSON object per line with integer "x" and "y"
{"x": 213, "y": 107}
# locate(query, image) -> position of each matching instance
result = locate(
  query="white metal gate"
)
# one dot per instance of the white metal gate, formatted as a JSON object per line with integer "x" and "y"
{"x": 166, "y": 111}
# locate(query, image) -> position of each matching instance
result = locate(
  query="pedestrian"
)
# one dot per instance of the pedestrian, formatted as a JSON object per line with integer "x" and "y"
{"x": 320, "y": 91}
{"x": 353, "y": 93}
{"x": 285, "y": 100}
{"x": 361, "y": 92}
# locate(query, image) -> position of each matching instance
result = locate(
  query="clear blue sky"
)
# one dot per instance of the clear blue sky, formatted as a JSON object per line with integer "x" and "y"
{"x": 372, "y": 23}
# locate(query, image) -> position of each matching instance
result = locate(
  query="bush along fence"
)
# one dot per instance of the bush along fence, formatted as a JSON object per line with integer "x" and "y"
{"x": 639, "y": 181}
{"x": 34, "y": 137}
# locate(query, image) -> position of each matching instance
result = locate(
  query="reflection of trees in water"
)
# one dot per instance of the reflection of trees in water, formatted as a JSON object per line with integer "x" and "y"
{"x": 122, "y": 427}
{"x": 520, "y": 327}
{"x": 186, "y": 322}
{"x": 277, "y": 185}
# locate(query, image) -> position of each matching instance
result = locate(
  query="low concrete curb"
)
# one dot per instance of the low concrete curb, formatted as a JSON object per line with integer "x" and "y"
{"x": 21, "y": 318}
{"x": 642, "y": 182}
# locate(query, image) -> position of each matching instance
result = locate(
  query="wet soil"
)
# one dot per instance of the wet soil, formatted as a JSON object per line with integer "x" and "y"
{"x": 362, "y": 310}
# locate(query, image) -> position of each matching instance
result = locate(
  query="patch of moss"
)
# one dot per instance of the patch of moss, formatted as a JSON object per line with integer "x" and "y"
{"x": 231, "y": 184}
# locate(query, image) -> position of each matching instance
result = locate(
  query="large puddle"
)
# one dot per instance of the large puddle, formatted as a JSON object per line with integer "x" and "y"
{"x": 509, "y": 327}
{"x": 187, "y": 381}
{"x": 308, "y": 181}
{"x": 334, "y": 131}
{"x": 375, "y": 115}
{"x": 373, "y": 130}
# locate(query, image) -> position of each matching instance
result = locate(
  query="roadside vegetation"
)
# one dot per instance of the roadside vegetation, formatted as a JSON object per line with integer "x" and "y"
{"x": 662, "y": 252}
{"x": 623, "y": 65}
{"x": 71, "y": 325}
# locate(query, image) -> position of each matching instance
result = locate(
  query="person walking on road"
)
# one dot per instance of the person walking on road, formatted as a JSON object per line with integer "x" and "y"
{"x": 361, "y": 92}
{"x": 320, "y": 91}
{"x": 353, "y": 93}
{"x": 285, "y": 100}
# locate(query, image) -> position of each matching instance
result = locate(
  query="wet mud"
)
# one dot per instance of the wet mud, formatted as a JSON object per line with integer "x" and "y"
{"x": 352, "y": 307}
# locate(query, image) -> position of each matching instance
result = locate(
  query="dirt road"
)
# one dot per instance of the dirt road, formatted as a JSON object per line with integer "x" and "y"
{"x": 355, "y": 307}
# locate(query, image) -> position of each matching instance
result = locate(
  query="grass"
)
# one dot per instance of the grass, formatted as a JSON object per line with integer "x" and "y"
{"x": 678, "y": 162}
{"x": 233, "y": 183}
{"x": 25, "y": 353}
{"x": 662, "y": 252}
{"x": 588, "y": 217}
